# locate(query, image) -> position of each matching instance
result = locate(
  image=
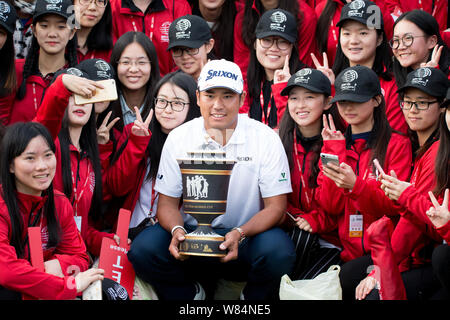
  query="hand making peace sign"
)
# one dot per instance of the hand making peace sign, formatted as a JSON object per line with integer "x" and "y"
{"x": 435, "y": 57}
{"x": 103, "y": 131}
{"x": 140, "y": 128}
{"x": 439, "y": 214}
{"x": 325, "y": 69}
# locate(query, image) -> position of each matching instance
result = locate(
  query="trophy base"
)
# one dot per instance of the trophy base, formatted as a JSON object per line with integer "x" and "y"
{"x": 203, "y": 245}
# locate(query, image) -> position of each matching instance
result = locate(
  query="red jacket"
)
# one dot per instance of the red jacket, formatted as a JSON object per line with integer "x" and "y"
{"x": 302, "y": 201}
{"x": 306, "y": 39}
{"x": 437, "y": 8}
{"x": 94, "y": 54}
{"x": 154, "y": 23}
{"x": 366, "y": 198}
{"x": 19, "y": 275}
{"x": 50, "y": 115}
{"x": 393, "y": 111}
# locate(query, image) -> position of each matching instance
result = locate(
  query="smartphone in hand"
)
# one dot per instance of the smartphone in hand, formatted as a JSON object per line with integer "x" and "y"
{"x": 326, "y": 157}
{"x": 108, "y": 93}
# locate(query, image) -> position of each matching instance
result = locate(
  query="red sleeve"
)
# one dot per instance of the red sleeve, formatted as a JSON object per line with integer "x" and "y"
{"x": 94, "y": 238}
{"x": 306, "y": 35}
{"x": 246, "y": 106}
{"x": 393, "y": 111}
{"x": 6, "y": 105}
{"x": 280, "y": 101}
{"x": 241, "y": 52}
{"x": 53, "y": 106}
{"x": 444, "y": 231}
{"x": 321, "y": 222}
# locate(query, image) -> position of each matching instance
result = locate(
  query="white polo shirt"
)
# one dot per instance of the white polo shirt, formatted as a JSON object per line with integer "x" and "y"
{"x": 261, "y": 171}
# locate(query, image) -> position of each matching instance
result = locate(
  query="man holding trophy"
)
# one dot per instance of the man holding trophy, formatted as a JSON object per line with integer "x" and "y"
{"x": 225, "y": 168}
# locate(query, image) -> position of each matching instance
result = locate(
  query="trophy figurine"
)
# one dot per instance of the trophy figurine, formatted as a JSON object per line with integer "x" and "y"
{"x": 206, "y": 176}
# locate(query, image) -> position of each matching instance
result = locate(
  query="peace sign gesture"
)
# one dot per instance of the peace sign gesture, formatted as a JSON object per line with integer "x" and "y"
{"x": 439, "y": 214}
{"x": 435, "y": 57}
{"x": 140, "y": 128}
{"x": 103, "y": 130}
{"x": 325, "y": 69}
{"x": 282, "y": 75}
{"x": 329, "y": 132}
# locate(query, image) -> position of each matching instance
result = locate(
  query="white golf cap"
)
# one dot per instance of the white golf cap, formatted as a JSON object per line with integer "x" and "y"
{"x": 221, "y": 74}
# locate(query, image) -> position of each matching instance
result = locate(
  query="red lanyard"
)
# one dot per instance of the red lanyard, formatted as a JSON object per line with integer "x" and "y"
{"x": 34, "y": 97}
{"x": 152, "y": 26}
{"x": 297, "y": 159}
{"x": 77, "y": 197}
{"x": 264, "y": 118}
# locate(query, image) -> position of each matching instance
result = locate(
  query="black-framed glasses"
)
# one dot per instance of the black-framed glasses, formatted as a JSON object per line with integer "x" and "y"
{"x": 176, "y": 105}
{"x": 178, "y": 51}
{"x": 407, "y": 40}
{"x": 420, "y": 105}
{"x": 98, "y": 3}
{"x": 281, "y": 43}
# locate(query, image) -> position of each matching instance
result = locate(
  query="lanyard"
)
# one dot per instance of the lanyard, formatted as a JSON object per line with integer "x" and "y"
{"x": 333, "y": 31}
{"x": 77, "y": 197}
{"x": 265, "y": 116}
{"x": 152, "y": 201}
{"x": 152, "y": 25}
{"x": 34, "y": 97}
{"x": 297, "y": 159}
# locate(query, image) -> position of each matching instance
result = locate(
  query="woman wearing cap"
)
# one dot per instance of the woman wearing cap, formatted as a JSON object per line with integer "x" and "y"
{"x": 309, "y": 98}
{"x": 275, "y": 50}
{"x": 350, "y": 190}
{"x": 247, "y": 19}
{"x": 53, "y": 48}
{"x": 95, "y": 33}
{"x": 79, "y": 168}
{"x": 190, "y": 43}
{"x": 362, "y": 41}
{"x": 8, "y": 80}
{"x": 28, "y": 200}
{"x": 175, "y": 104}
{"x": 414, "y": 235}
{"x": 152, "y": 17}
{"x": 417, "y": 42}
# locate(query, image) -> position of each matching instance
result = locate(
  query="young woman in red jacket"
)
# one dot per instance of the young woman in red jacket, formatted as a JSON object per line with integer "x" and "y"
{"x": 350, "y": 190}
{"x": 315, "y": 232}
{"x": 414, "y": 236}
{"x": 153, "y": 18}
{"x": 247, "y": 19}
{"x": 27, "y": 200}
{"x": 362, "y": 41}
{"x": 175, "y": 103}
{"x": 417, "y": 42}
{"x": 79, "y": 170}
{"x": 275, "y": 50}
{"x": 95, "y": 33}
{"x": 53, "y": 47}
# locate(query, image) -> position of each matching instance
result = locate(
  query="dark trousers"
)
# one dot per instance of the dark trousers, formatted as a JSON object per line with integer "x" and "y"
{"x": 262, "y": 261}
{"x": 6, "y": 294}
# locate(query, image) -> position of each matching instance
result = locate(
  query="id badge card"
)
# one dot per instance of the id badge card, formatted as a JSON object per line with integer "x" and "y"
{"x": 78, "y": 222}
{"x": 356, "y": 226}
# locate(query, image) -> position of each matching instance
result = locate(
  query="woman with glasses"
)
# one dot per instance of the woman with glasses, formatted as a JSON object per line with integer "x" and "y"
{"x": 190, "y": 43}
{"x": 175, "y": 103}
{"x": 272, "y": 58}
{"x": 417, "y": 41}
{"x": 95, "y": 33}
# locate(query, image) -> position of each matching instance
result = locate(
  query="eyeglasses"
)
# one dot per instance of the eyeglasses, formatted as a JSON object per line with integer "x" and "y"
{"x": 127, "y": 63}
{"x": 420, "y": 105}
{"x": 282, "y": 44}
{"x": 178, "y": 51}
{"x": 98, "y": 3}
{"x": 407, "y": 41}
{"x": 177, "y": 106}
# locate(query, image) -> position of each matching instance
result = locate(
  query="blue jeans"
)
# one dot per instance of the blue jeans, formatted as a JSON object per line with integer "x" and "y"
{"x": 262, "y": 261}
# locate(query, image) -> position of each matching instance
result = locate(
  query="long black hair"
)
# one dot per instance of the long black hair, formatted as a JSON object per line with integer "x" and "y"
{"x": 251, "y": 17}
{"x": 323, "y": 24}
{"x": 89, "y": 149}
{"x": 100, "y": 36}
{"x": 442, "y": 163}
{"x": 8, "y": 81}
{"x": 14, "y": 143}
{"x": 149, "y": 48}
{"x": 31, "y": 65}
{"x": 428, "y": 24}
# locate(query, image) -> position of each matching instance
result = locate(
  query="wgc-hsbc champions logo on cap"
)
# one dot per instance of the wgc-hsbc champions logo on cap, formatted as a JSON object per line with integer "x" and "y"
{"x": 356, "y": 4}
{"x": 54, "y": 5}
{"x": 347, "y": 78}
{"x": 300, "y": 76}
{"x": 4, "y": 10}
{"x": 75, "y": 72}
{"x": 419, "y": 76}
{"x": 183, "y": 25}
{"x": 278, "y": 17}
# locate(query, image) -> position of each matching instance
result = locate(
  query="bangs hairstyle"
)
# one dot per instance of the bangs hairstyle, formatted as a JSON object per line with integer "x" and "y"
{"x": 100, "y": 37}
{"x": 428, "y": 24}
{"x": 8, "y": 79}
{"x": 125, "y": 40}
{"x": 14, "y": 143}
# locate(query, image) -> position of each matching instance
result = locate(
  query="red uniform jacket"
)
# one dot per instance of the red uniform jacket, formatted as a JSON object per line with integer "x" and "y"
{"x": 94, "y": 54}
{"x": 306, "y": 39}
{"x": 154, "y": 23}
{"x": 366, "y": 198}
{"x": 393, "y": 111}
{"x": 51, "y": 114}
{"x": 19, "y": 275}
{"x": 302, "y": 201}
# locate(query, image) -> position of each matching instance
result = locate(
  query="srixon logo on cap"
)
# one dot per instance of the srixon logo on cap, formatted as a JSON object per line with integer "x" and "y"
{"x": 103, "y": 70}
{"x": 347, "y": 78}
{"x": 54, "y": 5}
{"x": 181, "y": 27}
{"x": 4, "y": 10}
{"x": 420, "y": 75}
{"x": 221, "y": 73}
{"x": 356, "y": 6}
{"x": 300, "y": 76}
{"x": 278, "y": 19}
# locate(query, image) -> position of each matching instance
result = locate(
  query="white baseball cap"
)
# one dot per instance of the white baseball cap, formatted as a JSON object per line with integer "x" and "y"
{"x": 221, "y": 74}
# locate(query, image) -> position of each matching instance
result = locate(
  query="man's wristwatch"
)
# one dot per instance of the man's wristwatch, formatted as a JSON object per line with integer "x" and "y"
{"x": 241, "y": 232}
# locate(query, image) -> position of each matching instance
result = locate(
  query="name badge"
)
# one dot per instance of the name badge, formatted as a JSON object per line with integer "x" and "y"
{"x": 78, "y": 222}
{"x": 356, "y": 226}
